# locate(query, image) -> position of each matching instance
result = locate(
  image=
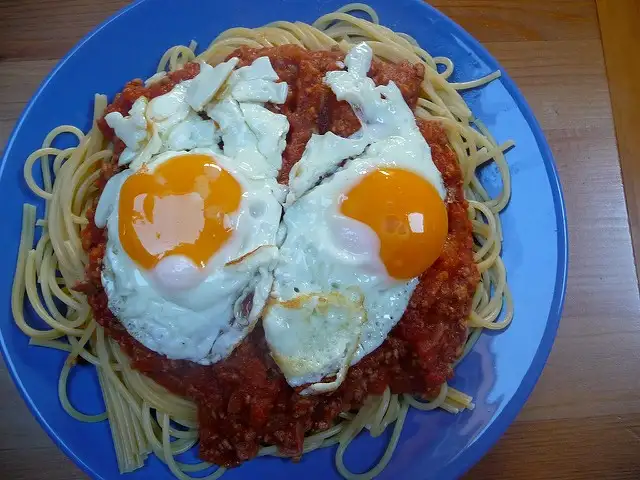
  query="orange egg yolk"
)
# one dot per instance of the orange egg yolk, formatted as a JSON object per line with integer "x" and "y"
{"x": 406, "y": 213}
{"x": 179, "y": 208}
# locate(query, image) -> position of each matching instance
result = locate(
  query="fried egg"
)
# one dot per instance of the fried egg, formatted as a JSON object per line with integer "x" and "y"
{"x": 358, "y": 234}
{"x": 189, "y": 254}
{"x": 192, "y": 223}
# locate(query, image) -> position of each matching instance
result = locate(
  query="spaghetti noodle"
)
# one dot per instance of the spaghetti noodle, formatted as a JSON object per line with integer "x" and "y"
{"x": 144, "y": 417}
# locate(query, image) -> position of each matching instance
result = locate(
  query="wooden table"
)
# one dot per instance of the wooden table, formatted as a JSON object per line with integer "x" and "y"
{"x": 583, "y": 419}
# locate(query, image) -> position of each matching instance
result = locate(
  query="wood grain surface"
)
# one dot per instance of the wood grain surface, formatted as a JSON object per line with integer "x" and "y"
{"x": 583, "y": 419}
{"x": 618, "y": 25}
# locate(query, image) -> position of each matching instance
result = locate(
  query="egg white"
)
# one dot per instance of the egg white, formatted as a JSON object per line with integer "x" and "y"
{"x": 233, "y": 101}
{"x": 326, "y": 253}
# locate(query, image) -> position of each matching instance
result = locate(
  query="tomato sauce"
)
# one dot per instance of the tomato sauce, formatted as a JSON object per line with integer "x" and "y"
{"x": 244, "y": 401}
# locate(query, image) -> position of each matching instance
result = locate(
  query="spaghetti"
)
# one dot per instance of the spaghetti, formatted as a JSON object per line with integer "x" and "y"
{"x": 144, "y": 417}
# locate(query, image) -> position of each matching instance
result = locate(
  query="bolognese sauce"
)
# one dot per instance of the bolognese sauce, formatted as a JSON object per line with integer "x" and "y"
{"x": 244, "y": 402}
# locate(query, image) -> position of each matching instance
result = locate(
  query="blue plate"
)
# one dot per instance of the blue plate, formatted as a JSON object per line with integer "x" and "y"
{"x": 501, "y": 370}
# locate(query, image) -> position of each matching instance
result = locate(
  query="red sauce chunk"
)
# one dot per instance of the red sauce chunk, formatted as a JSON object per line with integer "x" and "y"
{"x": 244, "y": 401}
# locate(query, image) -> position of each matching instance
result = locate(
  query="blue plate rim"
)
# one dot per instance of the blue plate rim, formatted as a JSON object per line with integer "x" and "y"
{"x": 470, "y": 456}
{"x": 487, "y": 439}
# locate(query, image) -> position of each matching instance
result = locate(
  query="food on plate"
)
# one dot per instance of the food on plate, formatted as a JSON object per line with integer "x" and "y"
{"x": 271, "y": 246}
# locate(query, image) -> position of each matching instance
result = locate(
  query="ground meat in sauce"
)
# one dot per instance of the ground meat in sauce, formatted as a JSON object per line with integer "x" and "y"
{"x": 244, "y": 401}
